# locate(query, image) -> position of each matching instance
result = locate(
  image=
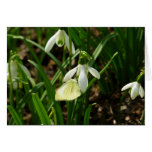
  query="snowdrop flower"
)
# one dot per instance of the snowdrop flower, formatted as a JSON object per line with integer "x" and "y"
{"x": 60, "y": 38}
{"x": 135, "y": 89}
{"x": 82, "y": 72}
{"x": 14, "y": 72}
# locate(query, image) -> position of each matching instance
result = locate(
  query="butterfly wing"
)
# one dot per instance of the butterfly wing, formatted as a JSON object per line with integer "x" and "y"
{"x": 59, "y": 95}
{"x": 68, "y": 91}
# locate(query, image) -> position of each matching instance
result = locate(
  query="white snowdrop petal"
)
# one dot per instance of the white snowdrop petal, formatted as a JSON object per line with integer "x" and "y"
{"x": 94, "y": 72}
{"x": 24, "y": 68}
{"x": 141, "y": 91}
{"x": 129, "y": 85}
{"x": 15, "y": 85}
{"x": 83, "y": 80}
{"x": 51, "y": 42}
{"x": 67, "y": 42}
{"x": 70, "y": 74}
{"x": 135, "y": 91}
{"x": 73, "y": 48}
{"x": 13, "y": 69}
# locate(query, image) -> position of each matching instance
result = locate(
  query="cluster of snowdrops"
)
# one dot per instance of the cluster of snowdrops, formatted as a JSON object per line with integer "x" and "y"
{"x": 75, "y": 81}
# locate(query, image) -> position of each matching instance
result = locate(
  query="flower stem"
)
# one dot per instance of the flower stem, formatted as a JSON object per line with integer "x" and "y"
{"x": 70, "y": 47}
{"x": 69, "y": 111}
{"x": 88, "y": 39}
{"x": 140, "y": 77}
{"x": 64, "y": 54}
{"x": 11, "y": 85}
{"x": 73, "y": 110}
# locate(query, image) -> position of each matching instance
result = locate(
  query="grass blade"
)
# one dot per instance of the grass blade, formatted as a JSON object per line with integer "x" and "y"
{"x": 11, "y": 86}
{"x": 99, "y": 48}
{"x": 21, "y": 104}
{"x": 15, "y": 115}
{"x": 42, "y": 48}
{"x": 60, "y": 120}
{"x": 102, "y": 71}
{"x": 87, "y": 115}
{"x": 49, "y": 86}
{"x": 65, "y": 64}
{"x": 40, "y": 110}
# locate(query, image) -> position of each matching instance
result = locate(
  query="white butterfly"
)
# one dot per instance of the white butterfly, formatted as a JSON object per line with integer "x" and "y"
{"x": 68, "y": 91}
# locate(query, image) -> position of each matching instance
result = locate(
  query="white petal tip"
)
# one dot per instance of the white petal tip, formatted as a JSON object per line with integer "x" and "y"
{"x": 123, "y": 89}
{"x": 141, "y": 92}
{"x": 46, "y": 50}
{"x": 69, "y": 74}
{"x": 94, "y": 72}
{"x": 129, "y": 85}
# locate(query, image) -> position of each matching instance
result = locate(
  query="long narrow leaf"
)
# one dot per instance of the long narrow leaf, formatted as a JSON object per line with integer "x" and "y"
{"x": 100, "y": 47}
{"x": 65, "y": 64}
{"x": 15, "y": 116}
{"x": 87, "y": 115}
{"x": 49, "y": 86}
{"x": 102, "y": 71}
{"x": 42, "y": 48}
{"x": 21, "y": 104}
{"x": 41, "y": 110}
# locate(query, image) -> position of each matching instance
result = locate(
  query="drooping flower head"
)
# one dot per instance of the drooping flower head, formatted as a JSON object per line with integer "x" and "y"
{"x": 14, "y": 71}
{"x": 72, "y": 88}
{"x": 135, "y": 89}
{"x": 60, "y": 38}
{"x": 81, "y": 72}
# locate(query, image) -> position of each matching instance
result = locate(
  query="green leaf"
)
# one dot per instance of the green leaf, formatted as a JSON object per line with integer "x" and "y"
{"x": 40, "y": 110}
{"x": 15, "y": 115}
{"x": 65, "y": 64}
{"x": 75, "y": 37}
{"x": 49, "y": 86}
{"x": 20, "y": 80}
{"x": 102, "y": 71}
{"x": 99, "y": 48}
{"x": 60, "y": 120}
{"x": 10, "y": 85}
{"x": 87, "y": 115}
{"x": 24, "y": 77}
{"x": 42, "y": 48}
{"x": 53, "y": 116}
{"x": 23, "y": 101}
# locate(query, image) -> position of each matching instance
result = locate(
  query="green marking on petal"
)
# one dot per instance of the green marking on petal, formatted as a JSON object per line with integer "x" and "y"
{"x": 60, "y": 40}
{"x": 60, "y": 43}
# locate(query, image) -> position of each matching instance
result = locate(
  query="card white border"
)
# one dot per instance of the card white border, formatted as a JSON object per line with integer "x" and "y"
{"x": 74, "y": 13}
